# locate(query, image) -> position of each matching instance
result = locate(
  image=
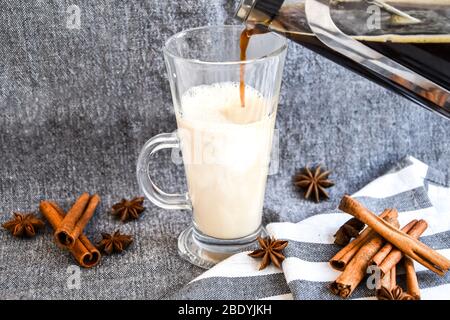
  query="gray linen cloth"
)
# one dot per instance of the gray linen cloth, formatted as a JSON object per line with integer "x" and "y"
{"x": 76, "y": 105}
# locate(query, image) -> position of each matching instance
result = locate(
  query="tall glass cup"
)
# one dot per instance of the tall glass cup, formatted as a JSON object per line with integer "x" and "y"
{"x": 225, "y": 136}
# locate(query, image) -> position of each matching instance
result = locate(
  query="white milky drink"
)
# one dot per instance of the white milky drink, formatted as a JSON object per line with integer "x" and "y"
{"x": 226, "y": 151}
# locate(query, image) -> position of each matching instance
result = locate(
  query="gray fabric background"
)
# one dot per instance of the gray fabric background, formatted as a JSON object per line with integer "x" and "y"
{"x": 77, "y": 105}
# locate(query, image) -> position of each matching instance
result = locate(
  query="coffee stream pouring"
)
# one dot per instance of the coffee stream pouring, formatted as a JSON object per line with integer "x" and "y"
{"x": 403, "y": 45}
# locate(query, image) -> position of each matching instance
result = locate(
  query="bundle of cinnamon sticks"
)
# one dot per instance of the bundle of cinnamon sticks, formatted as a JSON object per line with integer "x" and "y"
{"x": 383, "y": 245}
{"x": 69, "y": 228}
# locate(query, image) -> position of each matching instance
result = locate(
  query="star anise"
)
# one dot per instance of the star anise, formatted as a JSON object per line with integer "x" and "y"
{"x": 114, "y": 243}
{"x": 128, "y": 209}
{"x": 270, "y": 251}
{"x": 314, "y": 182}
{"x": 396, "y": 293}
{"x": 23, "y": 225}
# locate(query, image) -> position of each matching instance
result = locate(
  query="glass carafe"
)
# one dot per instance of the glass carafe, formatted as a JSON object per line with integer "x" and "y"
{"x": 403, "y": 45}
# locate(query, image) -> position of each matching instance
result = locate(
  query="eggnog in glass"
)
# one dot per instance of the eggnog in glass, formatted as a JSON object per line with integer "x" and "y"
{"x": 225, "y": 135}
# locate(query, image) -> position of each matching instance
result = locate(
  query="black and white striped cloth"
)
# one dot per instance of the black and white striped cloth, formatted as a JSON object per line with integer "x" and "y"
{"x": 416, "y": 190}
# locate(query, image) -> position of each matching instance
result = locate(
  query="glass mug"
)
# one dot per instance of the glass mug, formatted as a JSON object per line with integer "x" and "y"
{"x": 225, "y": 144}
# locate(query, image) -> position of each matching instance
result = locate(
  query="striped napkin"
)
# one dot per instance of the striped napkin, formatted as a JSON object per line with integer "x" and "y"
{"x": 416, "y": 190}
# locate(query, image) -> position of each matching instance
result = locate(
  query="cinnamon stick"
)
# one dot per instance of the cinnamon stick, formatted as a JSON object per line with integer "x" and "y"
{"x": 405, "y": 243}
{"x": 84, "y": 252}
{"x": 347, "y": 231}
{"x": 393, "y": 277}
{"x": 392, "y": 291}
{"x": 386, "y": 281}
{"x": 76, "y": 219}
{"x": 396, "y": 255}
{"x": 412, "y": 284}
{"x": 356, "y": 269}
{"x": 343, "y": 257}
{"x": 387, "y": 248}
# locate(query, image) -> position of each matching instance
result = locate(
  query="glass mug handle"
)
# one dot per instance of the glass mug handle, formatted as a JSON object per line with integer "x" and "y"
{"x": 146, "y": 184}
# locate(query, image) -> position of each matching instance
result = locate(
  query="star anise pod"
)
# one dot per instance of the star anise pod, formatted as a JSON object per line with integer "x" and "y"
{"x": 396, "y": 293}
{"x": 114, "y": 243}
{"x": 270, "y": 251}
{"x": 23, "y": 225}
{"x": 314, "y": 182}
{"x": 128, "y": 209}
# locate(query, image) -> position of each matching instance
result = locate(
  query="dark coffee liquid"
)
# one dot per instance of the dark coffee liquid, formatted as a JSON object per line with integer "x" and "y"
{"x": 425, "y": 49}
{"x": 243, "y": 44}
{"x": 432, "y": 60}
{"x": 418, "y": 61}
{"x": 244, "y": 40}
